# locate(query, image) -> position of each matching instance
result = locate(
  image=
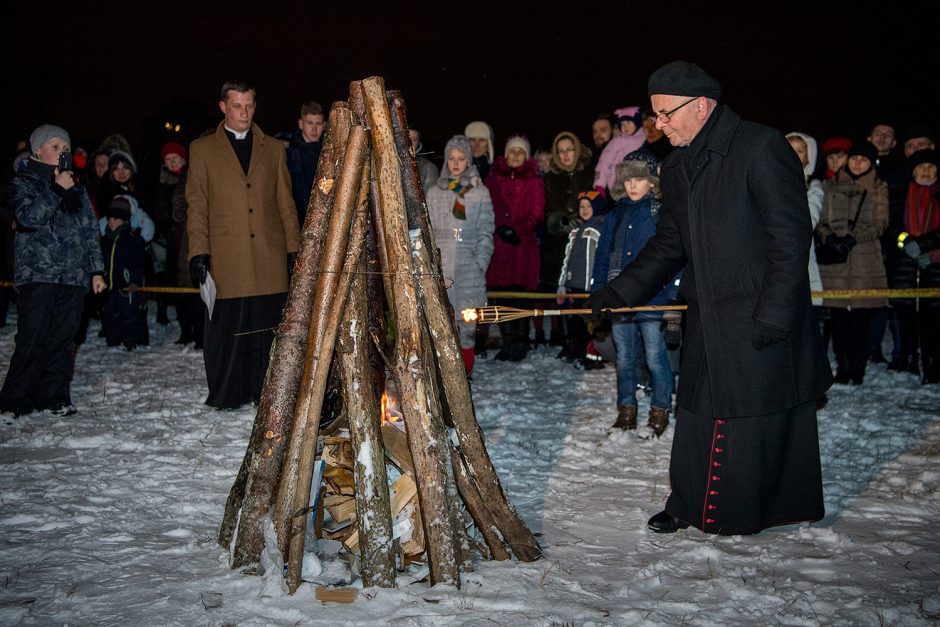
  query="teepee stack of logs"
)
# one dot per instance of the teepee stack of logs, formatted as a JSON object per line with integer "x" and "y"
{"x": 366, "y": 248}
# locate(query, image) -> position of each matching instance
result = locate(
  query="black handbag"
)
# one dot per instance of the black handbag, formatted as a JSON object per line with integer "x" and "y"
{"x": 826, "y": 254}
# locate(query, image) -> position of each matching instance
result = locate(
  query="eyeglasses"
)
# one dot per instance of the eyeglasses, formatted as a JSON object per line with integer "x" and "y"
{"x": 663, "y": 118}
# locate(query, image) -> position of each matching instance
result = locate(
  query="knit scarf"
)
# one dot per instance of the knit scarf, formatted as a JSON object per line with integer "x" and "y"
{"x": 459, "y": 210}
{"x": 922, "y": 212}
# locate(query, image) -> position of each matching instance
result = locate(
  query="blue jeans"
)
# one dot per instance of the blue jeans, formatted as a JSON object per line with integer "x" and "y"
{"x": 627, "y": 337}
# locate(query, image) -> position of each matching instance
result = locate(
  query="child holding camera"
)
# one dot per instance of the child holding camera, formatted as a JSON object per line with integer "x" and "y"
{"x": 57, "y": 257}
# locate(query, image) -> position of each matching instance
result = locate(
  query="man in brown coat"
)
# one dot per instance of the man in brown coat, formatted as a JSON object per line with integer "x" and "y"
{"x": 242, "y": 225}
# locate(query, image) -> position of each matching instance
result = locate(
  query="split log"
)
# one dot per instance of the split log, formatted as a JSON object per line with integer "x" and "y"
{"x": 329, "y": 299}
{"x": 428, "y": 443}
{"x": 460, "y": 402}
{"x": 376, "y": 549}
{"x": 253, "y": 492}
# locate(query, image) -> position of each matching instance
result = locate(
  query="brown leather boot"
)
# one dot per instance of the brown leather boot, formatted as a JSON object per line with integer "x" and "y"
{"x": 658, "y": 420}
{"x": 626, "y": 417}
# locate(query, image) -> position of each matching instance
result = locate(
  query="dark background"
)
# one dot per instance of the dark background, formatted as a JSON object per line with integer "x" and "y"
{"x": 97, "y": 68}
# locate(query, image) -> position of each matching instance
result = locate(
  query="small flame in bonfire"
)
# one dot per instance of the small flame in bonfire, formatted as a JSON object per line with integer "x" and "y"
{"x": 391, "y": 408}
{"x": 469, "y": 315}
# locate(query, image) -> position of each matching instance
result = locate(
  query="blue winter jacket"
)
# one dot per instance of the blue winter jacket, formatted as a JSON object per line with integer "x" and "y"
{"x": 56, "y": 238}
{"x": 627, "y": 228}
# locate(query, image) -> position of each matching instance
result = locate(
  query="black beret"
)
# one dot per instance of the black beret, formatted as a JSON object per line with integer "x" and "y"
{"x": 681, "y": 78}
{"x": 864, "y": 148}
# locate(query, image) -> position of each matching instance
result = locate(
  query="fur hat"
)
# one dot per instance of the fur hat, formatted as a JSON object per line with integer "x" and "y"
{"x": 836, "y": 144}
{"x": 44, "y": 133}
{"x": 173, "y": 148}
{"x": 639, "y": 164}
{"x": 119, "y": 156}
{"x": 864, "y": 148}
{"x": 120, "y": 207}
{"x": 681, "y": 78}
{"x": 481, "y": 130}
{"x": 927, "y": 155}
{"x": 518, "y": 141}
{"x": 597, "y": 199}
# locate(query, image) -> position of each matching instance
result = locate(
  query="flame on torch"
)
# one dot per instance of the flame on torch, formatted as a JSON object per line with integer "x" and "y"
{"x": 469, "y": 315}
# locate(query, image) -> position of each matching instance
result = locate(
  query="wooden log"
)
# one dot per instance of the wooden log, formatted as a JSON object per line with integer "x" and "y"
{"x": 376, "y": 551}
{"x": 457, "y": 390}
{"x": 358, "y": 106}
{"x": 329, "y": 299}
{"x": 253, "y": 492}
{"x": 482, "y": 517}
{"x": 415, "y": 202}
{"x": 428, "y": 443}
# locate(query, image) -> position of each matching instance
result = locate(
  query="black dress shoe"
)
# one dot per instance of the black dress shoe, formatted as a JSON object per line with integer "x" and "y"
{"x": 664, "y": 522}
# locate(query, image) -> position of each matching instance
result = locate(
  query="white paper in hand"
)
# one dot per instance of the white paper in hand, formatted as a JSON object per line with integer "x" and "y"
{"x": 207, "y": 291}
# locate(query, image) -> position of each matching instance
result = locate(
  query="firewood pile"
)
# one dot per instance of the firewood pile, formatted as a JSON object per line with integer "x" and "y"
{"x": 366, "y": 251}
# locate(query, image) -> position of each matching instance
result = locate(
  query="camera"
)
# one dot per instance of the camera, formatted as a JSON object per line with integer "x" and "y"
{"x": 65, "y": 161}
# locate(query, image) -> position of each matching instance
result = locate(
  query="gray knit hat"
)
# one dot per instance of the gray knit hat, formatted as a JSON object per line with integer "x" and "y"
{"x": 681, "y": 78}
{"x": 119, "y": 156}
{"x": 46, "y": 132}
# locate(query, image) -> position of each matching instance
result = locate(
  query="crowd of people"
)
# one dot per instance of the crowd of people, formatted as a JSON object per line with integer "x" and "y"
{"x": 563, "y": 220}
{"x": 677, "y": 205}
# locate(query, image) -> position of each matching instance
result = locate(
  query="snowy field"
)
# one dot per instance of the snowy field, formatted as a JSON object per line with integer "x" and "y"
{"x": 109, "y": 517}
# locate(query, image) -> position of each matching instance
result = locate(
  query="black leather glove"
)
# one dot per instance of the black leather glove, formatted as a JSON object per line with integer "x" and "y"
{"x": 604, "y": 298}
{"x": 508, "y": 235}
{"x": 291, "y": 262}
{"x": 840, "y": 245}
{"x": 199, "y": 268}
{"x": 764, "y": 335}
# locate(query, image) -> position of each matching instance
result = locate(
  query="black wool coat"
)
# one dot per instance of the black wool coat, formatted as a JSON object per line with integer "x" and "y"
{"x": 736, "y": 222}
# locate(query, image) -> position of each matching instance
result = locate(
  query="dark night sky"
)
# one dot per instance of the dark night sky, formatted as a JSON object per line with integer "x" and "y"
{"x": 535, "y": 67}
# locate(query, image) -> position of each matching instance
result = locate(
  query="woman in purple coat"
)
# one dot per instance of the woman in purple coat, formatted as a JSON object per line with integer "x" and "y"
{"x": 519, "y": 206}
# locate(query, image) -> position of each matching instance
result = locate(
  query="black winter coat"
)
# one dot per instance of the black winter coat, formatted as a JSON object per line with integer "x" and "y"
{"x": 735, "y": 221}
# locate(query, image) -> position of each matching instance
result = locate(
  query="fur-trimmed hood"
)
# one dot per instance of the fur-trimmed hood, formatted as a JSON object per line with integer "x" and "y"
{"x": 582, "y": 153}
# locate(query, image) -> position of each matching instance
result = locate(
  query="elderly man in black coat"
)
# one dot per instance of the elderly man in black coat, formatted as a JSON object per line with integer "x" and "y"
{"x": 745, "y": 453}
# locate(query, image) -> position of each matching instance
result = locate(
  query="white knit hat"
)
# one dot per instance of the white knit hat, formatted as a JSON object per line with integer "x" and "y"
{"x": 518, "y": 141}
{"x": 481, "y": 130}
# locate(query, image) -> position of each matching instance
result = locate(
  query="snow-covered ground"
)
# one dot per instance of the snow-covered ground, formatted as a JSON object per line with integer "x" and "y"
{"x": 110, "y": 517}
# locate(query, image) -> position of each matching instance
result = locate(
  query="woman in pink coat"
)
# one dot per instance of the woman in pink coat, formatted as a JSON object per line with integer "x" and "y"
{"x": 519, "y": 206}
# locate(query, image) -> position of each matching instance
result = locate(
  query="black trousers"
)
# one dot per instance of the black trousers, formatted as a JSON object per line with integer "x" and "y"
{"x": 48, "y": 316}
{"x": 237, "y": 347}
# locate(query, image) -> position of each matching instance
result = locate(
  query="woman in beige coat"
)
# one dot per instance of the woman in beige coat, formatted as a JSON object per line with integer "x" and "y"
{"x": 854, "y": 215}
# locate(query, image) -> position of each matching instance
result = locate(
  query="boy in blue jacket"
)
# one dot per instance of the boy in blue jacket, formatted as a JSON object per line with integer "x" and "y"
{"x": 630, "y": 224}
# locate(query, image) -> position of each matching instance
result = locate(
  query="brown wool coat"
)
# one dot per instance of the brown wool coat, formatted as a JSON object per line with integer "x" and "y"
{"x": 864, "y": 269}
{"x": 247, "y": 223}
